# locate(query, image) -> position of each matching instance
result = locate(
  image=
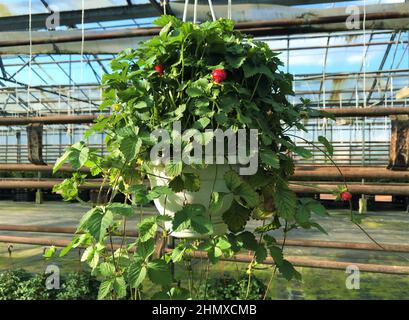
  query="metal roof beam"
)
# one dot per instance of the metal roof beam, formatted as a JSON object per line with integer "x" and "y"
{"x": 71, "y": 18}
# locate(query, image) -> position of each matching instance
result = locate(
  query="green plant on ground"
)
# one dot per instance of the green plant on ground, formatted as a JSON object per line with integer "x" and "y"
{"x": 228, "y": 288}
{"x": 22, "y": 285}
{"x": 206, "y": 76}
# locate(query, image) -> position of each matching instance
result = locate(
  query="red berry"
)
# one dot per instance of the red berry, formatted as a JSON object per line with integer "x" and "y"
{"x": 159, "y": 68}
{"x": 346, "y": 196}
{"x": 219, "y": 75}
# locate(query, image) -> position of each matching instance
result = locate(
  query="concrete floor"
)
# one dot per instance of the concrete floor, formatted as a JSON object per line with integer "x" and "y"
{"x": 385, "y": 227}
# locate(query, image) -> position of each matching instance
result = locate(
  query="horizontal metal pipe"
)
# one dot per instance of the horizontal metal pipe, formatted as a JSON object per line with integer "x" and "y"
{"x": 43, "y": 184}
{"x": 301, "y": 172}
{"x": 299, "y": 262}
{"x": 255, "y": 28}
{"x": 8, "y": 121}
{"x": 336, "y": 112}
{"x": 306, "y": 187}
{"x": 36, "y": 168}
{"x": 369, "y": 189}
{"x": 48, "y": 229}
{"x": 349, "y": 172}
{"x": 315, "y": 263}
{"x": 345, "y": 245}
{"x": 289, "y": 242}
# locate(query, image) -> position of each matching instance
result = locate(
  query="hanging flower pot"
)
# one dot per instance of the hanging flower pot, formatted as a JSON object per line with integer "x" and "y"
{"x": 212, "y": 182}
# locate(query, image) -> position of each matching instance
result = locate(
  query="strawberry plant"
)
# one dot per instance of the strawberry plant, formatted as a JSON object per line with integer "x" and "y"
{"x": 205, "y": 76}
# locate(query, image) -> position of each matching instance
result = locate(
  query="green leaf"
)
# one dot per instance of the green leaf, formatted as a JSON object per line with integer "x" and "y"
{"x": 302, "y": 152}
{"x": 232, "y": 180}
{"x": 248, "y": 194}
{"x": 197, "y": 88}
{"x": 145, "y": 249}
{"x": 120, "y": 287}
{"x": 130, "y": 146}
{"x": 261, "y": 253}
{"x": 328, "y": 146}
{"x": 107, "y": 269}
{"x": 177, "y": 254}
{"x": 122, "y": 209}
{"x": 83, "y": 156}
{"x": 194, "y": 216}
{"x": 185, "y": 181}
{"x": 159, "y": 272}
{"x": 159, "y": 191}
{"x": 61, "y": 160}
{"x": 236, "y": 217}
{"x": 140, "y": 193}
{"x": 49, "y": 252}
{"x": 136, "y": 273}
{"x": 269, "y": 158}
{"x": 105, "y": 289}
{"x": 288, "y": 271}
{"x": 285, "y": 201}
{"x": 277, "y": 254}
{"x": 174, "y": 169}
{"x": 147, "y": 229}
{"x": 98, "y": 224}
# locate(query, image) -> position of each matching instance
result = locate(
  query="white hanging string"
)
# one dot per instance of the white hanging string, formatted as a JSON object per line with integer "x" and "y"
{"x": 212, "y": 10}
{"x": 30, "y": 55}
{"x": 82, "y": 39}
{"x": 364, "y": 52}
{"x": 185, "y": 10}
{"x": 164, "y": 3}
{"x": 229, "y": 9}
{"x": 195, "y": 12}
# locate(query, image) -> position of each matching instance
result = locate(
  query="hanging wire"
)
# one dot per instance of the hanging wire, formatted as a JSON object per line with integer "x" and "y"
{"x": 212, "y": 10}
{"x": 195, "y": 12}
{"x": 185, "y": 10}
{"x": 82, "y": 38}
{"x": 30, "y": 55}
{"x": 364, "y": 55}
{"x": 164, "y": 3}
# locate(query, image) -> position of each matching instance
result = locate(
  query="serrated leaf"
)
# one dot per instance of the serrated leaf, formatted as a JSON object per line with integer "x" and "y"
{"x": 174, "y": 169}
{"x": 288, "y": 271}
{"x": 232, "y": 180}
{"x": 122, "y": 209}
{"x": 147, "y": 229}
{"x": 105, "y": 289}
{"x": 248, "y": 194}
{"x": 159, "y": 272}
{"x": 130, "y": 146}
{"x": 119, "y": 286}
{"x": 285, "y": 201}
{"x": 145, "y": 249}
{"x": 107, "y": 269}
{"x": 98, "y": 224}
{"x": 261, "y": 253}
{"x": 277, "y": 254}
{"x": 136, "y": 273}
{"x": 269, "y": 158}
{"x": 236, "y": 217}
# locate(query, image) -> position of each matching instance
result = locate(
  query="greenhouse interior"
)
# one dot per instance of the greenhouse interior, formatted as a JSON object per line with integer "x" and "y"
{"x": 204, "y": 150}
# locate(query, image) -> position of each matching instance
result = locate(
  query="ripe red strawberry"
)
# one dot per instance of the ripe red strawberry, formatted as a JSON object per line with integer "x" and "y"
{"x": 346, "y": 196}
{"x": 159, "y": 68}
{"x": 219, "y": 75}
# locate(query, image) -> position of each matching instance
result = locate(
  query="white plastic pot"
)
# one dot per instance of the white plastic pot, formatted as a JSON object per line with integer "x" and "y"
{"x": 211, "y": 180}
